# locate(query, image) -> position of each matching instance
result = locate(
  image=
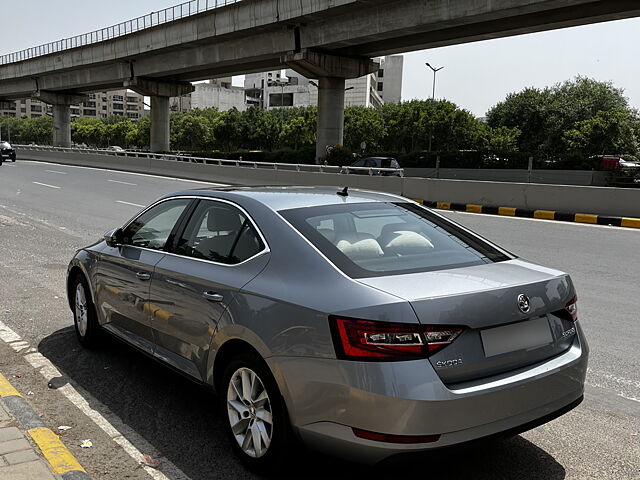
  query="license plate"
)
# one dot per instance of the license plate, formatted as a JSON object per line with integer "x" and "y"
{"x": 517, "y": 336}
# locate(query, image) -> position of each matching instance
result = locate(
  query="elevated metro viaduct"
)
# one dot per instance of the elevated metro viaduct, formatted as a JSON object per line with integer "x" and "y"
{"x": 330, "y": 40}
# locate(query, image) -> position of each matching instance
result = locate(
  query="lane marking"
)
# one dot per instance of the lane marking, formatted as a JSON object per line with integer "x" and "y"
{"x": 58, "y": 456}
{"x": 129, "y": 203}
{"x": 123, "y": 183}
{"x": 211, "y": 184}
{"x": 115, "y": 428}
{"x": 6, "y": 389}
{"x": 54, "y": 171}
{"x": 46, "y": 185}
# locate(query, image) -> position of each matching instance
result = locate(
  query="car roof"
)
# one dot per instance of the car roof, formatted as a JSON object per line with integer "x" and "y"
{"x": 288, "y": 197}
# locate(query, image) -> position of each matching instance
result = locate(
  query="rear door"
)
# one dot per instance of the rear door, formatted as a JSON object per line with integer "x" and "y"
{"x": 124, "y": 272}
{"x": 219, "y": 252}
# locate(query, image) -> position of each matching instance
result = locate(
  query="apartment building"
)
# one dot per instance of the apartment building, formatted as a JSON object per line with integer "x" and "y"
{"x": 123, "y": 103}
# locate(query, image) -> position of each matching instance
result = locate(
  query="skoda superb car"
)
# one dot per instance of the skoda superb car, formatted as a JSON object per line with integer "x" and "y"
{"x": 361, "y": 323}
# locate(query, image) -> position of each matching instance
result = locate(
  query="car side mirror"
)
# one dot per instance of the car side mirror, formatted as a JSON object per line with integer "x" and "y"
{"x": 114, "y": 238}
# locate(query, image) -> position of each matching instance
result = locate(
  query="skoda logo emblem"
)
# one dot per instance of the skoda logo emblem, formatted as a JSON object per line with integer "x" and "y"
{"x": 523, "y": 303}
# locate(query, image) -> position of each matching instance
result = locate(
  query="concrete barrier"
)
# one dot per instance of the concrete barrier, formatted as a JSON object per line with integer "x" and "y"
{"x": 566, "y": 198}
{"x": 554, "y": 177}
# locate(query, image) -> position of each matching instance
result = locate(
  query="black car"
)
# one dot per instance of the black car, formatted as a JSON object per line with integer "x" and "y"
{"x": 376, "y": 163}
{"x": 6, "y": 151}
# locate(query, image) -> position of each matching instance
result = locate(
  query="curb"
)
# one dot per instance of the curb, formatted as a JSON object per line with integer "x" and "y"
{"x": 540, "y": 214}
{"x": 60, "y": 459}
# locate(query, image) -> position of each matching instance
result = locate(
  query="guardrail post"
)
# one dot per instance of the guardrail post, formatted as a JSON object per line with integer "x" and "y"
{"x": 530, "y": 170}
{"x": 438, "y": 166}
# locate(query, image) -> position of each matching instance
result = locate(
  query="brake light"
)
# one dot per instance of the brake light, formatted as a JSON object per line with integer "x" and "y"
{"x": 572, "y": 309}
{"x": 366, "y": 340}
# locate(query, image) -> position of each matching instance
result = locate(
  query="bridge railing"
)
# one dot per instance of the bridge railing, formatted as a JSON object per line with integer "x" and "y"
{"x": 298, "y": 167}
{"x": 152, "y": 19}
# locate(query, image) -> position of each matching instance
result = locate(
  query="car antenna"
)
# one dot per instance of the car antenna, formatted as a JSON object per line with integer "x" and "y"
{"x": 344, "y": 192}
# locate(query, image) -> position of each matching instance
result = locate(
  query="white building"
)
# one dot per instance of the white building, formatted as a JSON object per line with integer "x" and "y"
{"x": 217, "y": 93}
{"x": 290, "y": 89}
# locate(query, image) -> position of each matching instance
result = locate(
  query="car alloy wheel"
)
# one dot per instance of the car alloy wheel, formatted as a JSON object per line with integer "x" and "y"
{"x": 81, "y": 310}
{"x": 250, "y": 412}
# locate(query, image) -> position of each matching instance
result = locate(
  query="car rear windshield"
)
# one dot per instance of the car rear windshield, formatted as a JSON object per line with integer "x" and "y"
{"x": 378, "y": 239}
{"x": 4, "y": 145}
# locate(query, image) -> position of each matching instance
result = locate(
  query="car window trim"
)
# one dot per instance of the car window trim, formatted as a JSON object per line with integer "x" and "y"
{"x": 266, "y": 248}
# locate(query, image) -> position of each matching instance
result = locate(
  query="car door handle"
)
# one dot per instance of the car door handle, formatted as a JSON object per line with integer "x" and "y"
{"x": 213, "y": 297}
{"x": 143, "y": 276}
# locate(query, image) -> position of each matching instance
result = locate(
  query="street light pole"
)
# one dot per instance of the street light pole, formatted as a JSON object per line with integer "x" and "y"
{"x": 433, "y": 98}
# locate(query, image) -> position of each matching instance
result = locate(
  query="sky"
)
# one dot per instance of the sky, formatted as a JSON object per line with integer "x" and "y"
{"x": 476, "y": 75}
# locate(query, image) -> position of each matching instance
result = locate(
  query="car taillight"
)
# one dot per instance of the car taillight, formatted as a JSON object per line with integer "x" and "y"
{"x": 367, "y": 340}
{"x": 572, "y": 309}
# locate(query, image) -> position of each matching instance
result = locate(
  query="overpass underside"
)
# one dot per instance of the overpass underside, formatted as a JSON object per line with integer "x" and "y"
{"x": 330, "y": 40}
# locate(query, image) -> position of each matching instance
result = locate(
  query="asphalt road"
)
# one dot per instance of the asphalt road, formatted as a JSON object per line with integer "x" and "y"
{"x": 48, "y": 211}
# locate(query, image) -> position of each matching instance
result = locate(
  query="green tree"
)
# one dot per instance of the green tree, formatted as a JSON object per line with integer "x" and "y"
{"x": 140, "y": 135}
{"x": 37, "y": 130}
{"x": 297, "y": 133}
{"x": 608, "y": 132}
{"x": 363, "y": 124}
{"x": 90, "y": 131}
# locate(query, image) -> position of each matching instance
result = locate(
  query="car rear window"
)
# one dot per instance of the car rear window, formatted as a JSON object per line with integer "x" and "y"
{"x": 377, "y": 239}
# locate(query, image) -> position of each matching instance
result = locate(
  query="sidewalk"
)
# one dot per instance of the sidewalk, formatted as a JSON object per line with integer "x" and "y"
{"x": 19, "y": 460}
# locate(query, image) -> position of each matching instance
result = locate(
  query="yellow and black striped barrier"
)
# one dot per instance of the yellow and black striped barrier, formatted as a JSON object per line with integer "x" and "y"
{"x": 60, "y": 459}
{"x": 541, "y": 214}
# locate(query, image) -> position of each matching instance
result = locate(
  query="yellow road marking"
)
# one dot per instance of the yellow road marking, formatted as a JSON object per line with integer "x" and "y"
{"x": 508, "y": 211}
{"x": 444, "y": 205}
{"x": 6, "y": 389}
{"x": 631, "y": 222}
{"x": 584, "y": 218}
{"x": 54, "y": 451}
{"x": 544, "y": 214}
{"x": 474, "y": 208}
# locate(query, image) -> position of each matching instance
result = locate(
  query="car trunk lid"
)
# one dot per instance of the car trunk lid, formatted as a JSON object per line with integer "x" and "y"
{"x": 499, "y": 336}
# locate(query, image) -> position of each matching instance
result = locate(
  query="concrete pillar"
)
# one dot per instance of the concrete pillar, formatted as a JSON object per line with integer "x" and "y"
{"x": 330, "y": 114}
{"x": 61, "y": 125}
{"x": 160, "y": 140}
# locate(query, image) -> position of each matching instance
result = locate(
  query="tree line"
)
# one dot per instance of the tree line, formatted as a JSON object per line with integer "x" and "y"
{"x": 572, "y": 120}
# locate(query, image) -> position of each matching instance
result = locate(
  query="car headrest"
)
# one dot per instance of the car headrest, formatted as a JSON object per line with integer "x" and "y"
{"x": 404, "y": 242}
{"x": 366, "y": 249}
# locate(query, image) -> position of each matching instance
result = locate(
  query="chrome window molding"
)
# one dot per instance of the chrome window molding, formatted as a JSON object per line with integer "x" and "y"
{"x": 265, "y": 250}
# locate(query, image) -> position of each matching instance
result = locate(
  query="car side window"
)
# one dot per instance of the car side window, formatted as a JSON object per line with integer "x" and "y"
{"x": 370, "y": 163}
{"x": 153, "y": 227}
{"x": 221, "y": 233}
{"x": 359, "y": 163}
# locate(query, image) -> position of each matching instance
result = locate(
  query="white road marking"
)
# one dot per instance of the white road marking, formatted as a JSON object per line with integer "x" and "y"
{"x": 211, "y": 184}
{"x": 115, "y": 428}
{"x": 123, "y": 183}
{"x": 54, "y": 171}
{"x": 46, "y": 185}
{"x": 129, "y": 203}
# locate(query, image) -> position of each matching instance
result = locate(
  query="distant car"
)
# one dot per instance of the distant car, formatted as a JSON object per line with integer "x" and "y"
{"x": 7, "y": 151}
{"x": 628, "y": 164}
{"x": 376, "y": 163}
{"x": 115, "y": 148}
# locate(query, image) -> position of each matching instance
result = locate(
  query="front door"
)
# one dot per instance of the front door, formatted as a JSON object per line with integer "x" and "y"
{"x": 124, "y": 273}
{"x": 219, "y": 252}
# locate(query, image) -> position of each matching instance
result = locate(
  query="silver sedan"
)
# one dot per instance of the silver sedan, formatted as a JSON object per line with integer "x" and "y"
{"x": 359, "y": 323}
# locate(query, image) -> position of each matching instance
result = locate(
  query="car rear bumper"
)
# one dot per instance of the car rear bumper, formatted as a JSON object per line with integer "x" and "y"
{"x": 327, "y": 398}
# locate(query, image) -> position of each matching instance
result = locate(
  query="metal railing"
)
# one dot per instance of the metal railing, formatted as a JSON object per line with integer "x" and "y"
{"x": 298, "y": 167}
{"x": 152, "y": 19}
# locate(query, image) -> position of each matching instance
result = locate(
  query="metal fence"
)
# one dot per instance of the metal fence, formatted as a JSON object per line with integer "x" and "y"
{"x": 125, "y": 28}
{"x": 298, "y": 167}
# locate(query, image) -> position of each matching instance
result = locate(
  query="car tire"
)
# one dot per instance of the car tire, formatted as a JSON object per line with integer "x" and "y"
{"x": 260, "y": 419}
{"x": 84, "y": 314}
{"x": 13, "y": 159}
